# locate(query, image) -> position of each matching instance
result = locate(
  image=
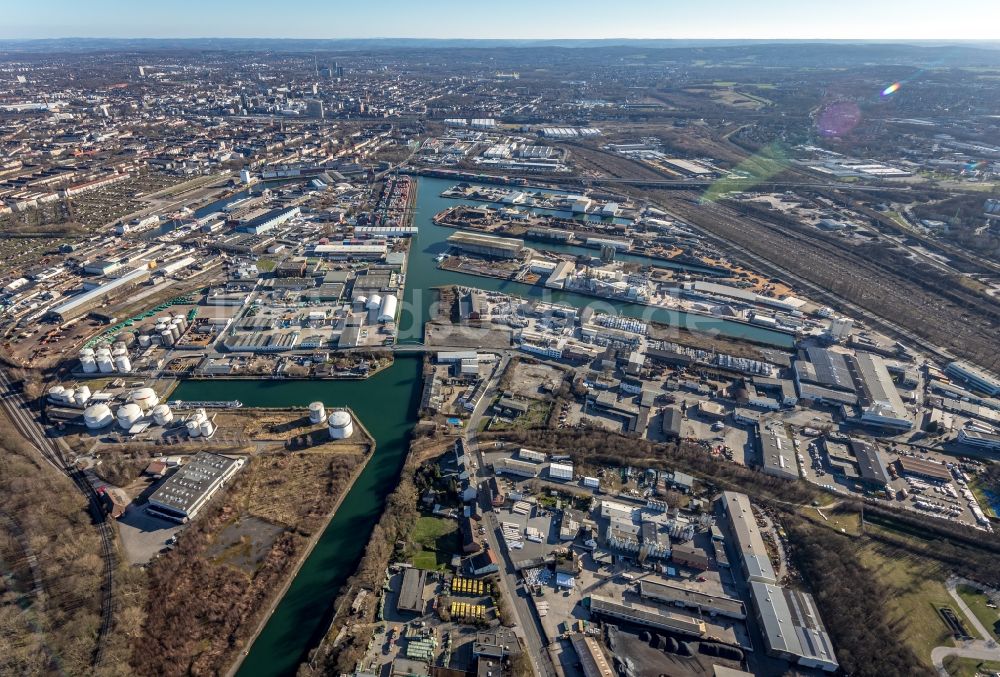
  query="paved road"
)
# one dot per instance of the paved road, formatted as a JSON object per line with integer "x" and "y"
{"x": 529, "y": 627}
{"x": 984, "y": 649}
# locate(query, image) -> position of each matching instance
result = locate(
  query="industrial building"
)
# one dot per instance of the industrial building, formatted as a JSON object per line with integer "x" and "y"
{"x": 592, "y": 658}
{"x": 81, "y": 304}
{"x": 977, "y": 438}
{"x": 753, "y": 555}
{"x": 411, "y": 593}
{"x": 777, "y": 451}
{"x": 976, "y": 378}
{"x": 937, "y": 472}
{"x": 486, "y": 245}
{"x": 881, "y": 404}
{"x": 648, "y": 616}
{"x": 792, "y": 627}
{"x": 711, "y": 605}
{"x": 268, "y": 220}
{"x": 872, "y": 471}
{"x": 187, "y": 491}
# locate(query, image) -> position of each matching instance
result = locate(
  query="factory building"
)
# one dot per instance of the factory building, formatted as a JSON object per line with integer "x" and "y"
{"x": 187, "y": 491}
{"x": 486, "y": 245}
{"x": 753, "y": 555}
{"x": 792, "y": 627}
{"x": 777, "y": 452}
{"x": 976, "y": 378}
{"x": 983, "y": 440}
{"x": 268, "y": 220}
{"x": 648, "y": 616}
{"x": 81, "y": 304}
{"x": 881, "y": 405}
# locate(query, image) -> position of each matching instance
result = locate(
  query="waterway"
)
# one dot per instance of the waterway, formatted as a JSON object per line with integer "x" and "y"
{"x": 387, "y": 404}
{"x": 424, "y": 274}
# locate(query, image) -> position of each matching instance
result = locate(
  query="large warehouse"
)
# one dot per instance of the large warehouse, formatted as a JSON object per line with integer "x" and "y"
{"x": 81, "y": 304}
{"x": 486, "y": 245}
{"x": 881, "y": 404}
{"x": 187, "y": 491}
{"x": 746, "y": 534}
{"x": 792, "y": 627}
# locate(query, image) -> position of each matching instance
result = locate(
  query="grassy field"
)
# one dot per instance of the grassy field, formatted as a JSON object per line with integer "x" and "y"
{"x": 977, "y": 603}
{"x": 969, "y": 667}
{"x": 917, "y": 590}
{"x": 438, "y": 539}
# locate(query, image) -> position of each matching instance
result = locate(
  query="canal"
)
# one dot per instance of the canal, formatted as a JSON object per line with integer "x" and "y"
{"x": 387, "y": 405}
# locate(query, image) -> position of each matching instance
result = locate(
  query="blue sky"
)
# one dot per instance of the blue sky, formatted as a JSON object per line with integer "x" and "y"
{"x": 763, "y": 19}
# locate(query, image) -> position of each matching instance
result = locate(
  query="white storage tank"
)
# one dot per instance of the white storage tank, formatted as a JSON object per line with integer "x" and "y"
{"x": 340, "y": 425}
{"x": 162, "y": 414}
{"x": 146, "y": 398}
{"x": 88, "y": 362}
{"x": 104, "y": 363}
{"x": 193, "y": 428}
{"x": 144, "y": 341}
{"x": 128, "y": 414}
{"x": 69, "y": 396}
{"x": 167, "y": 337}
{"x": 200, "y": 415}
{"x": 387, "y": 313}
{"x": 82, "y": 394}
{"x": 175, "y": 331}
{"x": 207, "y": 428}
{"x": 361, "y": 301}
{"x": 123, "y": 364}
{"x": 317, "y": 412}
{"x": 97, "y": 416}
{"x": 374, "y": 302}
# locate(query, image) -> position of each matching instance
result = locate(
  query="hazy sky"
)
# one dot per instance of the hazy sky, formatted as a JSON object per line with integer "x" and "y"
{"x": 825, "y": 19}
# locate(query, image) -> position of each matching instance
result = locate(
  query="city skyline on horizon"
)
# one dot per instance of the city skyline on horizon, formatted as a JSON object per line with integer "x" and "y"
{"x": 918, "y": 20}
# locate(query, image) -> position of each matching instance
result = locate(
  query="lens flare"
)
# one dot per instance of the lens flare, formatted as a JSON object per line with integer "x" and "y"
{"x": 891, "y": 89}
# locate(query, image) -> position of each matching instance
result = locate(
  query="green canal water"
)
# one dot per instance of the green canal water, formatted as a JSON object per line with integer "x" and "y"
{"x": 387, "y": 405}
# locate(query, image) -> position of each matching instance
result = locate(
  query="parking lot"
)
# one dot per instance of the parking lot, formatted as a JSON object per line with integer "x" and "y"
{"x": 144, "y": 536}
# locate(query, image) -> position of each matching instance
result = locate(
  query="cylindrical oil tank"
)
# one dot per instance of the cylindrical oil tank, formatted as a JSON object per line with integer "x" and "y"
{"x": 88, "y": 361}
{"x": 374, "y": 302}
{"x": 166, "y": 337}
{"x": 104, "y": 364}
{"x": 128, "y": 414}
{"x": 317, "y": 412}
{"x": 175, "y": 331}
{"x": 340, "y": 425}
{"x": 207, "y": 428}
{"x": 193, "y": 428}
{"x": 146, "y": 398}
{"x": 361, "y": 301}
{"x": 69, "y": 396}
{"x": 97, "y": 416}
{"x": 57, "y": 393}
{"x": 123, "y": 364}
{"x": 144, "y": 341}
{"x": 162, "y": 414}
{"x": 82, "y": 394}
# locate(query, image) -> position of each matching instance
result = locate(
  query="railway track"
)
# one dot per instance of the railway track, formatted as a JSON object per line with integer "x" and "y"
{"x": 766, "y": 266}
{"x": 18, "y": 412}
